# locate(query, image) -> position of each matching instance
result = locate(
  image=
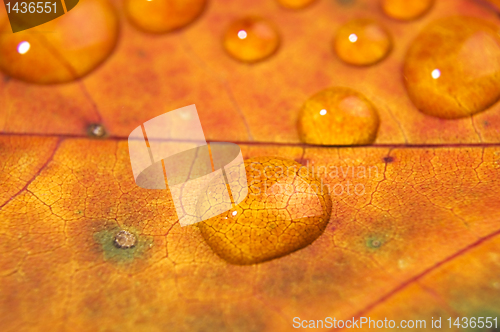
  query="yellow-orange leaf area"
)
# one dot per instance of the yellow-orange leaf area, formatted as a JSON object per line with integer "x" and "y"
{"x": 414, "y": 233}
{"x": 149, "y": 74}
{"x": 286, "y": 209}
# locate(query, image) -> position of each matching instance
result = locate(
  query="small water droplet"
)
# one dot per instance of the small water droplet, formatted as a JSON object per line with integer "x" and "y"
{"x": 63, "y": 49}
{"x": 351, "y": 118}
{"x": 362, "y": 42}
{"x": 251, "y": 39}
{"x": 406, "y": 9}
{"x": 376, "y": 244}
{"x": 161, "y": 16}
{"x": 295, "y": 4}
{"x": 124, "y": 240}
{"x": 96, "y": 130}
{"x": 285, "y": 210}
{"x": 452, "y": 68}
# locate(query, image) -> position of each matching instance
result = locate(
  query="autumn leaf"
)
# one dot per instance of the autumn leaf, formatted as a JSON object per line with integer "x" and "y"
{"x": 414, "y": 227}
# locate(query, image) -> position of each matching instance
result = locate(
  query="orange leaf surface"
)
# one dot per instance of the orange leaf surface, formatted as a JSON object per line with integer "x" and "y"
{"x": 414, "y": 231}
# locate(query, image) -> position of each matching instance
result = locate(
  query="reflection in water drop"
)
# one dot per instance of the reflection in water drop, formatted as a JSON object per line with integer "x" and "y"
{"x": 163, "y": 15}
{"x": 286, "y": 209}
{"x": 362, "y": 42}
{"x": 68, "y": 52}
{"x": 467, "y": 51}
{"x": 351, "y": 118}
{"x": 436, "y": 73}
{"x": 251, "y": 39}
{"x": 406, "y": 9}
{"x": 23, "y": 47}
{"x": 242, "y": 34}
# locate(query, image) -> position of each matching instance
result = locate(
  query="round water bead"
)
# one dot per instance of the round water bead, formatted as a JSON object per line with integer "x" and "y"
{"x": 159, "y": 16}
{"x": 251, "y": 39}
{"x": 406, "y": 9}
{"x": 338, "y": 116}
{"x": 286, "y": 209}
{"x": 63, "y": 49}
{"x": 362, "y": 42}
{"x": 452, "y": 68}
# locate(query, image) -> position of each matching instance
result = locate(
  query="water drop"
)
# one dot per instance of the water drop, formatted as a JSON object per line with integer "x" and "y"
{"x": 63, "y": 49}
{"x": 124, "y": 240}
{"x": 295, "y": 4}
{"x": 251, "y": 39}
{"x": 362, "y": 42}
{"x": 351, "y": 118}
{"x": 406, "y": 9}
{"x": 96, "y": 130}
{"x": 452, "y": 68}
{"x": 160, "y": 16}
{"x": 286, "y": 209}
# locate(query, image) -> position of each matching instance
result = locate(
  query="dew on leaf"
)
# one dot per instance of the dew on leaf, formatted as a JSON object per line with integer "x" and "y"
{"x": 362, "y": 42}
{"x": 452, "y": 68}
{"x": 295, "y": 4}
{"x": 63, "y": 49}
{"x": 122, "y": 246}
{"x": 251, "y": 39}
{"x": 158, "y": 16}
{"x": 96, "y": 130}
{"x": 124, "y": 240}
{"x": 338, "y": 116}
{"x": 406, "y": 9}
{"x": 286, "y": 209}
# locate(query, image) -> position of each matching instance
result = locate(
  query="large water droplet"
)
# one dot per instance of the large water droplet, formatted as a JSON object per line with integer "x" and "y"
{"x": 406, "y": 9}
{"x": 295, "y": 4}
{"x": 251, "y": 39}
{"x": 452, "y": 69}
{"x": 286, "y": 209}
{"x": 338, "y": 116}
{"x": 63, "y": 49}
{"x": 362, "y": 42}
{"x": 163, "y": 15}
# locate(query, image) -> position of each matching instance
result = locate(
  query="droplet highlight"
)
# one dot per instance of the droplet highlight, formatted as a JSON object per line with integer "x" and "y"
{"x": 362, "y": 42}
{"x": 295, "y": 4}
{"x": 452, "y": 68}
{"x": 286, "y": 209}
{"x": 338, "y": 116}
{"x": 159, "y": 16}
{"x": 23, "y": 47}
{"x": 251, "y": 39}
{"x": 63, "y": 49}
{"x": 406, "y": 9}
